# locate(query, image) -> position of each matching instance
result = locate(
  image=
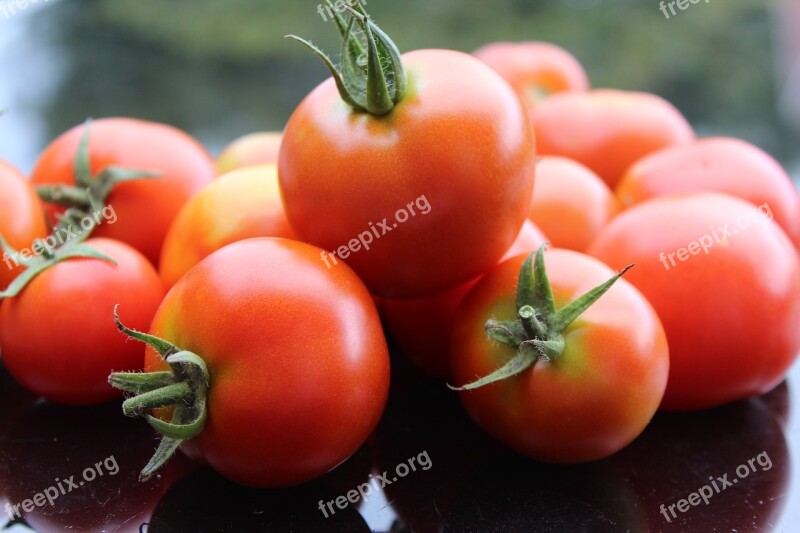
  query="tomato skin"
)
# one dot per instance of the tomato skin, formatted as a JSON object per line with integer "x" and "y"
{"x": 570, "y": 203}
{"x": 590, "y": 402}
{"x": 21, "y": 217}
{"x": 718, "y": 164}
{"x": 730, "y": 315}
{"x": 422, "y": 327}
{"x": 145, "y": 208}
{"x": 607, "y": 130}
{"x": 297, "y": 359}
{"x": 58, "y": 335}
{"x": 535, "y": 69}
{"x": 240, "y": 205}
{"x": 459, "y": 138}
{"x": 250, "y": 150}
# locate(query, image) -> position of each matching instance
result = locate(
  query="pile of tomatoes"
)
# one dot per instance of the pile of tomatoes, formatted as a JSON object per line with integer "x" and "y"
{"x": 583, "y": 261}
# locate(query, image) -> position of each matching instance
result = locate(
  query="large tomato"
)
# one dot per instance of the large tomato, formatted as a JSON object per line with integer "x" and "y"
{"x": 424, "y": 197}
{"x": 607, "y": 130}
{"x": 534, "y": 69}
{"x": 552, "y": 386}
{"x": 295, "y": 356}
{"x": 422, "y": 327}
{"x": 21, "y": 218}
{"x": 58, "y": 334}
{"x": 143, "y": 209}
{"x": 243, "y": 204}
{"x": 571, "y": 204}
{"x": 718, "y": 164}
{"x": 725, "y": 281}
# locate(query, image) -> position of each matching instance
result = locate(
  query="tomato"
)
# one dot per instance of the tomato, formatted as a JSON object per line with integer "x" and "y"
{"x": 422, "y": 327}
{"x": 718, "y": 164}
{"x": 725, "y": 280}
{"x": 607, "y": 130}
{"x": 536, "y": 70}
{"x": 142, "y": 209}
{"x": 58, "y": 334}
{"x": 420, "y": 199}
{"x": 570, "y": 203}
{"x": 21, "y": 218}
{"x": 295, "y": 356}
{"x": 240, "y": 205}
{"x": 576, "y": 389}
{"x": 249, "y": 151}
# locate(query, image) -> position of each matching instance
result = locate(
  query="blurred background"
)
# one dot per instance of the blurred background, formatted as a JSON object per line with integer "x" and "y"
{"x": 219, "y": 69}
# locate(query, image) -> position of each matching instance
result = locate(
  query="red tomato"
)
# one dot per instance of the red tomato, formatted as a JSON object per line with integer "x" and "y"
{"x": 607, "y": 130}
{"x": 570, "y": 203}
{"x": 591, "y": 395}
{"x": 298, "y": 364}
{"x": 21, "y": 218}
{"x": 536, "y": 70}
{"x": 58, "y": 335}
{"x": 716, "y": 164}
{"x": 142, "y": 209}
{"x": 422, "y": 327}
{"x": 243, "y": 204}
{"x": 731, "y": 312}
{"x": 249, "y": 151}
{"x": 440, "y": 185}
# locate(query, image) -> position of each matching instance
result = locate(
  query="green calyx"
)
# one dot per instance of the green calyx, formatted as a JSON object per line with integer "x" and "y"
{"x": 371, "y": 78}
{"x": 185, "y": 387}
{"x": 83, "y": 202}
{"x": 538, "y": 332}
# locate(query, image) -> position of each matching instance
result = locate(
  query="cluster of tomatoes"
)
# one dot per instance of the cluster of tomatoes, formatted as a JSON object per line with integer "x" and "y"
{"x": 269, "y": 362}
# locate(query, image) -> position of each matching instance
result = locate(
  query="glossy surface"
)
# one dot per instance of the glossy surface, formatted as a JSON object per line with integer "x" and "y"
{"x": 144, "y": 208}
{"x": 607, "y": 130}
{"x": 248, "y": 151}
{"x": 21, "y": 218}
{"x": 243, "y": 204}
{"x": 591, "y": 401}
{"x": 725, "y": 281}
{"x": 58, "y": 335}
{"x": 299, "y": 368}
{"x": 459, "y": 138}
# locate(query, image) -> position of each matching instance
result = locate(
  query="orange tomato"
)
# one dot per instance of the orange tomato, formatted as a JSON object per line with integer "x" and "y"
{"x": 571, "y": 204}
{"x": 608, "y": 130}
{"x": 536, "y": 70}
{"x": 248, "y": 151}
{"x": 242, "y": 204}
{"x": 716, "y": 164}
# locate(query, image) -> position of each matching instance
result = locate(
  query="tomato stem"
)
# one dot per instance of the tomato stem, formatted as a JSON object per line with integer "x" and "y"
{"x": 185, "y": 387}
{"x": 372, "y": 77}
{"x": 538, "y": 332}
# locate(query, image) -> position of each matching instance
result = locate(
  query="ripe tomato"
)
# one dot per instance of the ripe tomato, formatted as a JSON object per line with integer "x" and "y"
{"x": 536, "y": 70}
{"x": 718, "y": 164}
{"x": 422, "y": 327}
{"x": 571, "y": 204}
{"x": 21, "y": 218}
{"x": 249, "y": 151}
{"x": 243, "y": 204}
{"x": 576, "y": 390}
{"x": 607, "y": 130}
{"x": 144, "y": 208}
{"x": 465, "y": 148}
{"x": 731, "y": 312}
{"x": 295, "y": 354}
{"x": 58, "y": 334}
